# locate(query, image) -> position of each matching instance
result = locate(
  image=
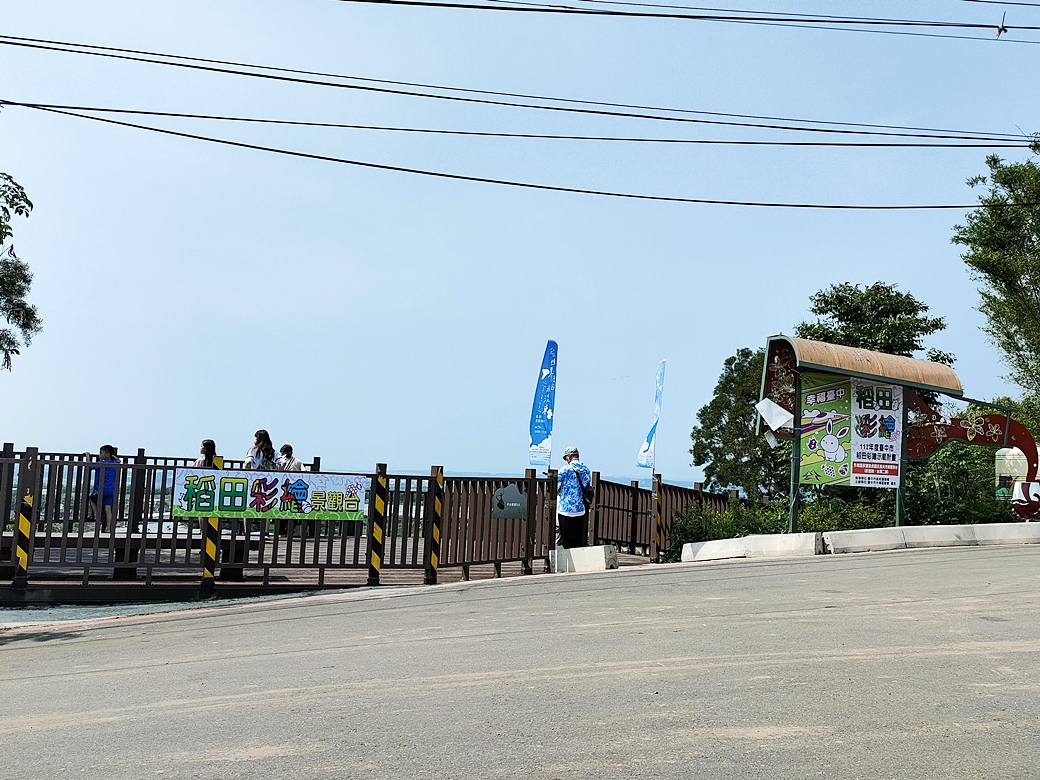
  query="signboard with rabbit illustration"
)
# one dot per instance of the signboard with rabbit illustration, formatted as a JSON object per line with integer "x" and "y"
{"x": 851, "y": 431}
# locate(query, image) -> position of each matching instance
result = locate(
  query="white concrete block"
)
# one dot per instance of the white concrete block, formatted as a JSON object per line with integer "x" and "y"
{"x": 716, "y": 550}
{"x": 1008, "y": 533}
{"x": 599, "y": 558}
{"x": 939, "y": 535}
{"x": 783, "y": 545}
{"x": 864, "y": 540}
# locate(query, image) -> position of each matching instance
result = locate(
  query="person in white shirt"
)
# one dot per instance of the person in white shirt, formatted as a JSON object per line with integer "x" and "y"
{"x": 286, "y": 461}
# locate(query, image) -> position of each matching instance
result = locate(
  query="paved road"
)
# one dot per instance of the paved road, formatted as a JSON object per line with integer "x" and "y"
{"x": 918, "y": 664}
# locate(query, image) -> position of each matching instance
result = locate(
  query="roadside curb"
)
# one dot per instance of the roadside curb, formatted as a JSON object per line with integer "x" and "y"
{"x": 863, "y": 540}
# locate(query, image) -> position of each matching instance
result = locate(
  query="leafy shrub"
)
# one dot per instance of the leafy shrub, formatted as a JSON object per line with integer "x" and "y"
{"x": 703, "y": 523}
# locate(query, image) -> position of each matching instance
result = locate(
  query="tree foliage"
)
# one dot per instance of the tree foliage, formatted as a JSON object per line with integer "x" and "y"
{"x": 1003, "y": 253}
{"x": 15, "y": 277}
{"x": 878, "y": 317}
{"x": 724, "y": 440}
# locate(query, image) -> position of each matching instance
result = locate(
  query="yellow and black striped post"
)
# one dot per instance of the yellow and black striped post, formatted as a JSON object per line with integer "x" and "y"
{"x": 21, "y": 547}
{"x": 433, "y": 533}
{"x": 376, "y": 523}
{"x": 209, "y": 554}
{"x": 655, "y": 552}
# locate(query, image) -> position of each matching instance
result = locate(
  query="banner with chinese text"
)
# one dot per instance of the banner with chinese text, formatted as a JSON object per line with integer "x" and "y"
{"x": 269, "y": 494}
{"x": 851, "y": 431}
{"x": 826, "y": 442}
{"x": 540, "y": 448}
{"x": 877, "y": 433}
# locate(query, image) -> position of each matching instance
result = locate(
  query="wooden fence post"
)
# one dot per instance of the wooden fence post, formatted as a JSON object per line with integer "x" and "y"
{"x": 530, "y": 520}
{"x": 6, "y": 483}
{"x": 128, "y": 553}
{"x": 634, "y": 500}
{"x": 553, "y": 478}
{"x": 592, "y": 514}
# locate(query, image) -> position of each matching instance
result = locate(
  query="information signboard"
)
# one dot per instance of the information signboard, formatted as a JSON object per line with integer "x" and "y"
{"x": 851, "y": 431}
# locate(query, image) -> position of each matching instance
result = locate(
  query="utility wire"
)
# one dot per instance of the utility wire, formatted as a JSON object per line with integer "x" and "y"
{"x": 821, "y": 26}
{"x": 195, "y": 63}
{"x": 1003, "y": 2}
{"x": 987, "y": 38}
{"x": 529, "y": 185}
{"x": 529, "y": 7}
{"x": 781, "y": 14}
{"x": 512, "y": 94}
{"x": 1001, "y": 144}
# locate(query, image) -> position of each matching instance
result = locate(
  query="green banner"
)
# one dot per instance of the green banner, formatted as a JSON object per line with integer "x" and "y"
{"x": 269, "y": 494}
{"x": 826, "y": 442}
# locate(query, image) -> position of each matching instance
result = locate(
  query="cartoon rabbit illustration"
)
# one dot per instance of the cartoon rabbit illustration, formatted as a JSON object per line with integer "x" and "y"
{"x": 832, "y": 449}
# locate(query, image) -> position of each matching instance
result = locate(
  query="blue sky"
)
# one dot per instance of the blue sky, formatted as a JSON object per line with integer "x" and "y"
{"x": 190, "y": 290}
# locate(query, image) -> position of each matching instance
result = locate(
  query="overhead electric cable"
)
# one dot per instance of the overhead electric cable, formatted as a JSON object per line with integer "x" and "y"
{"x": 529, "y": 7}
{"x": 987, "y": 38}
{"x": 1003, "y": 2}
{"x": 798, "y": 26}
{"x": 771, "y": 15}
{"x": 527, "y": 185}
{"x": 195, "y": 63}
{"x": 999, "y": 144}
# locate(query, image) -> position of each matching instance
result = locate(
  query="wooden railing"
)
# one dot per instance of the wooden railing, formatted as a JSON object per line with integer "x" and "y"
{"x": 145, "y": 537}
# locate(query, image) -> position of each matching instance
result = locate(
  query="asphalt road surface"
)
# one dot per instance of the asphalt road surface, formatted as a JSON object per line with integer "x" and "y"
{"x": 917, "y": 664}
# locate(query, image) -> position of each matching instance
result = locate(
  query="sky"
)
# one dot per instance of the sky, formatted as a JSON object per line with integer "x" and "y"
{"x": 191, "y": 290}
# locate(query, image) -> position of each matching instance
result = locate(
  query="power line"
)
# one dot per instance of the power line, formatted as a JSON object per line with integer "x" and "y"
{"x": 790, "y": 25}
{"x": 538, "y": 136}
{"x": 1003, "y": 2}
{"x": 575, "y": 107}
{"x": 988, "y": 39}
{"x": 529, "y": 185}
{"x": 780, "y": 14}
{"x": 529, "y": 7}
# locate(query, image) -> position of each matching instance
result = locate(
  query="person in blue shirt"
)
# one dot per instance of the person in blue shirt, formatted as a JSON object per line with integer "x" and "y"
{"x": 571, "y": 483}
{"x": 104, "y": 485}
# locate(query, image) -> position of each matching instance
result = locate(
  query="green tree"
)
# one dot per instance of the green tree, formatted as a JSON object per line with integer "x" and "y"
{"x": 878, "y": 317}
{"x": 1003, "y": 253}
{"x": 724, "y": 440}
{"x": 15, "y": 278}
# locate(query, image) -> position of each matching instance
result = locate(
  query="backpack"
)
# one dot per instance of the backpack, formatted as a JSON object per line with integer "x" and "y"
{"x": 588, "y": 492}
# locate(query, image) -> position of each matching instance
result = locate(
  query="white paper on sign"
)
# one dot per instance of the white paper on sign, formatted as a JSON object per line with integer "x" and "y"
{"x": 775, "y": 416}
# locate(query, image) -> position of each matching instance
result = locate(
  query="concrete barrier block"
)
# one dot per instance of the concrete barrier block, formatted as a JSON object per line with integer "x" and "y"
{"x": 1008, "y": 533}
{"x": 599, "y": 558}
{"x": 716, "y": 550}
{"x": 864, "y": 540}
{"x": 783, "y": 545}
{"x": 939, "y": 535}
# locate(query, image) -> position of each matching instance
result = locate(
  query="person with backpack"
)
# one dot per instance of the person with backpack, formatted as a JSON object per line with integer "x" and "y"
{"x": 574, "y": 494}
{"x": 286, "y": 461}
{"x": 261, "y": 456}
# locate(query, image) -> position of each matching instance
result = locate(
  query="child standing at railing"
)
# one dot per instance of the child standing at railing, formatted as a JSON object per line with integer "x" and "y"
{"x": 104, "y": 481}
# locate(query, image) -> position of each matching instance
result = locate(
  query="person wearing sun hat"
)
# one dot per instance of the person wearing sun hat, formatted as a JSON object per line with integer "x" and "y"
{"x": 572, "y": 484}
